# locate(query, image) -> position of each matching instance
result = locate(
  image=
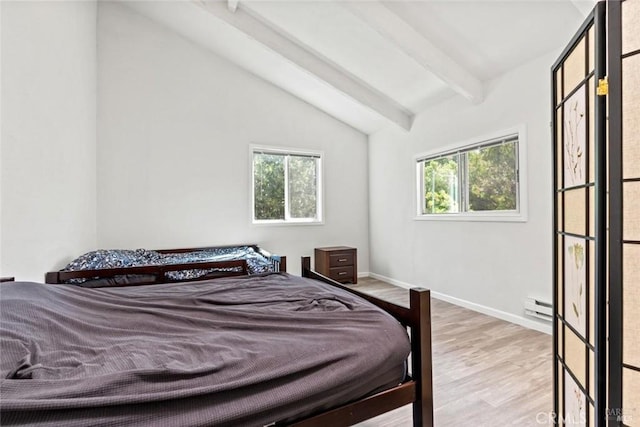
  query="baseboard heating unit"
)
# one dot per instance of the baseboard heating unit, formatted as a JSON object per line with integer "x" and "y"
{"x": 538, "y": 308}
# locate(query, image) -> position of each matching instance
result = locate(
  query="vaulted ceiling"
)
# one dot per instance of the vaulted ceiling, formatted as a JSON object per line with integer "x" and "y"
{"x": 374, "y": 63}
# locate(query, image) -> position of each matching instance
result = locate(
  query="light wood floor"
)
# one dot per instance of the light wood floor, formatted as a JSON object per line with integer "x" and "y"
{"x": 486, "y": 371}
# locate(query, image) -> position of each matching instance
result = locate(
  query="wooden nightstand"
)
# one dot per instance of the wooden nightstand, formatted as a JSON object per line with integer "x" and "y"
{"x": 339, "y": 263}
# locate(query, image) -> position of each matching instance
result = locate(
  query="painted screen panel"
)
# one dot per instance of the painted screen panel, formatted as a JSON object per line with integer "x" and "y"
{"x": 575, "y": 356}
{"x": 575, "y": 281}
{"x": 559, "y": 212}
{"x": 558, "y": 78}
{"x": 575, "y": 139}
{"x": 560, "y": 280}
{"x": 592, "y": 49}
{"x": 560, "y": 390}
{"x": 575, "y": 210}
{"x": 631, "y": 305}
{"x": 631, "y": 210}
{"x": 592, "y": 288}
{"x": 592, "y": 364}
{"x": 575, "y": 403}
{"x": 631, "y": 115}
{"x": 592, "y": 127}
{"x": 630, "y": 25}
{"x": 631, "y": 398}
{"x": 592, "y": 211}
{"x": 559, "y": 158}
{"x": 575, "y": 67}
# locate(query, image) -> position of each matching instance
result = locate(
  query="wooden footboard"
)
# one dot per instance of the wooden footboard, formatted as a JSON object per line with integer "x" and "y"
{"x": 418, "y": 389}
{"x": 156, "y": 273}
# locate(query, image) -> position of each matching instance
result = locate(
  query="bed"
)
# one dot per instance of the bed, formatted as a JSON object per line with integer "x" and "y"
{"x": 254, "y": 350}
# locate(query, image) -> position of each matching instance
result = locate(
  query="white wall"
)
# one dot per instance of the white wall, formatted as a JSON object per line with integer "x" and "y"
{"x": 48, "y": 185}
{"x": 496, "y": 265}
{"x": 1, "y": 121}
{"x": 174, "y": 126}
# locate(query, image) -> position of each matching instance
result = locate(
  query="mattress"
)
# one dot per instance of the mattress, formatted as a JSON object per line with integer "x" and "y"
{"x": 237, "y": 351}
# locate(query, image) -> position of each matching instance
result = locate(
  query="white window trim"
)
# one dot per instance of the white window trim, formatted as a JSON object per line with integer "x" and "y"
{"x": 491, "y": 216}
{"x": 319, "y": 190}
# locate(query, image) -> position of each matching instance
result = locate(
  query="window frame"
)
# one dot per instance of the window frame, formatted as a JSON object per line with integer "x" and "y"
{"x": 518, "y": 215}
{"x": 287, "y": 151}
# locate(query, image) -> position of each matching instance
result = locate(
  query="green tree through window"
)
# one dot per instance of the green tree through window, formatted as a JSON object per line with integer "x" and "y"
{"x": 493, "y": 178}
{"x": 285, "y": 187}
{"x": 477, "y": 179}
{"x": 268, "y": 186}
{"x": 441, "y": 185}
{"x": 302, "y": 187}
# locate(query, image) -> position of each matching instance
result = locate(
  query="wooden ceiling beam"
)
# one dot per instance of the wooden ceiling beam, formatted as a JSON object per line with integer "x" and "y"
{"x": 232, "y": 5}
{"x": 277, "y": 40}
{"x": 418, "y": 47}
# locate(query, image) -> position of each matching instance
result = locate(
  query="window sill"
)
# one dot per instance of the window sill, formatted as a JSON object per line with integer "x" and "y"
{"x": 493, "y": 217}
{"x": 278, "y": 223}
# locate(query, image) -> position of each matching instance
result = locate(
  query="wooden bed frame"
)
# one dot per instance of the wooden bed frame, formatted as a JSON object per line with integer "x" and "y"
{"x": 278, "y": 262}
{"x": 417, "y": 389}
{"x": 158, "y": 271}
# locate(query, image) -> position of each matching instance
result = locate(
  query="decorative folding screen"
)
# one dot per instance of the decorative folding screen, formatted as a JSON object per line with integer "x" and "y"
{"x": 576, "y": 242}
{"x": 597, "y": 220}
{"x": 624, "y": 58}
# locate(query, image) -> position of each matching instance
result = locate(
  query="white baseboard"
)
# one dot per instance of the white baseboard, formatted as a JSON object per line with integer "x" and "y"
{"x": 509, "y": 317}
{"x": 392, "y": 281}
{"x": 364, "y": 274}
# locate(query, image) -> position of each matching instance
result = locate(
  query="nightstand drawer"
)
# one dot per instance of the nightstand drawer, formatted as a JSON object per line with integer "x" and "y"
{"x": 341, "y": 260}
{"x": 341, "y": 273}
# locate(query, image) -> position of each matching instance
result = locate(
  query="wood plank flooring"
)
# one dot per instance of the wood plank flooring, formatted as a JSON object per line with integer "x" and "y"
{"x": 487, "y": 372}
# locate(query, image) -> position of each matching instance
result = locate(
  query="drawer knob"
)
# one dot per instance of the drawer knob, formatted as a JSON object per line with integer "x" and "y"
{"x": 342, "y": 260}
{"x": 342, "y": 273}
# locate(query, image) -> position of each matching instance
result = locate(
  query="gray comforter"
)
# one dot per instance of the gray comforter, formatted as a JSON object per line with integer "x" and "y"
{"x": 233, "y": 351}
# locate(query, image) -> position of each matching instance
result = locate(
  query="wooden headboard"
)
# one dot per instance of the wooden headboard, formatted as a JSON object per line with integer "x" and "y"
{"x": 278, "y": 262}
{"x": 157, "y": 273}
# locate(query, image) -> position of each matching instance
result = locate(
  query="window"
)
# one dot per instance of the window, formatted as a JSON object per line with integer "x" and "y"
{"x": 286, "y": 186}
{"x": 479, "y": 181}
